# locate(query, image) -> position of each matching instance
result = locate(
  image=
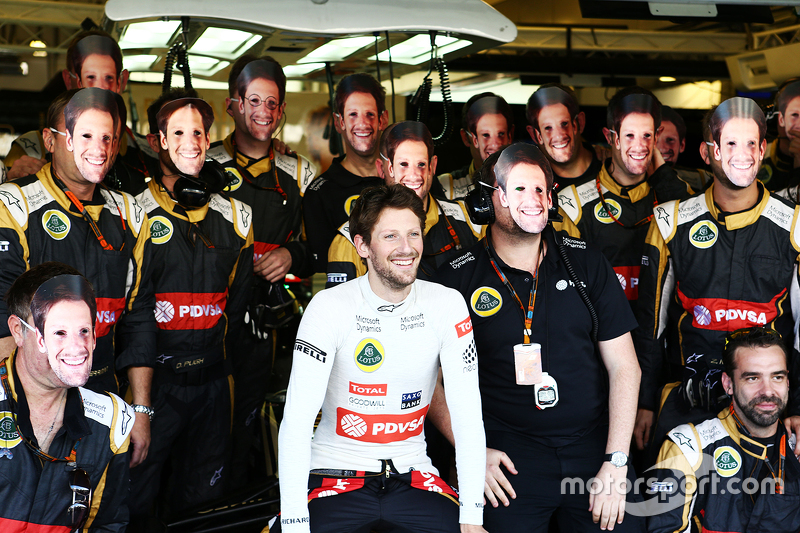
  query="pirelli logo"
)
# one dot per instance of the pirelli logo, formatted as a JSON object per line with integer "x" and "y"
{"x": 310, "y": 349}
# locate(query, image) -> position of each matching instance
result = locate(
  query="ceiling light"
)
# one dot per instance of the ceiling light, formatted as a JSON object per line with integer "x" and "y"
{"x": 177, "y": 81}
{"x": 666, "y": 79}
{"x": 154, "y": 34}
{"x": 418, "y": 49}
{"x": 337, "y": 50}
{"x": 298, "y": 71}
{"x": 206, "y": 66}
{"x": 138, "y": 62}
{"x": 37, "y": 44}
{"x": 224, "y": 43}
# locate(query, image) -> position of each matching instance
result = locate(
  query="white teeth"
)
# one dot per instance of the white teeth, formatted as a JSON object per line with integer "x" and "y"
{"x": 560, "y": 145}
{"x": 95, "y": 161}
{"x": 740, "y": 166}
{"x": 403, "y": 262}
{"x": 638, "y": 157}
{"x": 189, "y": 155}
{"x": 362, "y": 134}
{"x": 262, "y": 122}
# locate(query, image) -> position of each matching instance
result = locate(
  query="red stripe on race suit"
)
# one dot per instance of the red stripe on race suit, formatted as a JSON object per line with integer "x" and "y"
{"x": 186, "y": 310}
{"x": 431, "y": 482}
{"x": 379, "y": 428}
{"x": 718, "y": 314}
{"x": 260, "y": 248}
{"x": 17, "y": 526}
{"x": 334, "y": 486}
{"x": 628, "y": 277}
{"x": 108, "y": 312}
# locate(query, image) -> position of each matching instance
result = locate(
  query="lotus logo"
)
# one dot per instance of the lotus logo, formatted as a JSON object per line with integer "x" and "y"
{"x": 56, "y": 224}
{"x": 160, "y": 230}
{"x": 369, "y": 355}
{"x": 486, "y": 301}
{"x": 607, "y": 216}
{"x": 703, "y": 234}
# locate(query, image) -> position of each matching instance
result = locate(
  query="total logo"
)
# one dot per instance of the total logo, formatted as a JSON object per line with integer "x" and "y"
{"x": 379, "y": 428}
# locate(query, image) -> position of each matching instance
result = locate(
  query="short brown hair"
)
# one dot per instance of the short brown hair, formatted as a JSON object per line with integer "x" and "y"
{"x": 77, "y": 53}
{"x": 360, "y": 82}
{"x": 19, "y": 295}
{"x": 488, "y": 105}
{"x": 498, "y": 166}
{"x": 642, "y": 101}
{"x": 91, "y": 98}
{"x": 265, "y": 67}
{"x": 408, "y": 130}
{"x": 543, "y": 97}
{"x": 367, "y": 208}
{"x": 55, "y": 113}
{"x": 737, "y": 107}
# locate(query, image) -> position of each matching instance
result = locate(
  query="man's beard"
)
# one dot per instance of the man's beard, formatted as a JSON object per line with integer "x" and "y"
{"x": 759, "y": 418}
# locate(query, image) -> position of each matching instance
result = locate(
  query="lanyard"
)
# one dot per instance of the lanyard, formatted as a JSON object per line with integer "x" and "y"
{"x": 85, "y": 214}
{"x": 453, "y": 235}
{"x": 248, "y": 177}
{"x": 526, "y": 316}
{"x": 71, "y": 458}
{"x": 782, "y": 451}
{"x": 610, "y": 214}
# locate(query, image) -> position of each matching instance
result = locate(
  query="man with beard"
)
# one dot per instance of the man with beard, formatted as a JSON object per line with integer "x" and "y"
{"x": 63, "y": 450}
{"x": 359, "y": 116}
{"x": 487, "y": 126}
{"x": 368, "y": 353}
{"x": 94, "y": 59}
{"x": 672, "y": 142}
{"x": 202, "y": 275}
{"x": 408, "y": 151}
{"x": 556, "y": 123}
{"x": 613, "y": 210}
{"x": 64, "y": 213}
{"x": 733, "y": 472}
{"x": 272, "y": 184}
{"x": 722, "y": 260}
{"x": 556, "y": 415}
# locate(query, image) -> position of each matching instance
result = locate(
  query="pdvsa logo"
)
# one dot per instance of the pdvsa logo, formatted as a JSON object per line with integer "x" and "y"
{"x": 164, "y": 311}
{"x": 703, "y": 234}
{"x": 369, "y": 355}
{"x": 607, "y": 216}
{"x": 160, "y": 229}
{"x": 56, "y": 224}
{"x": 486, "y": 301}
{"x": 379, "y": 428}
{"x": 702, "y": 315}
{"x": 197, "y": 311}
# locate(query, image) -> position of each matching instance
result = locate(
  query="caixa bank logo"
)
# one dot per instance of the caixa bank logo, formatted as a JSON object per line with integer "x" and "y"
{"x": 176, "y": 311}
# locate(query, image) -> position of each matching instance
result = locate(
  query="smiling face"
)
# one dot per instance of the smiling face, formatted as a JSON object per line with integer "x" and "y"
{"x": 790, "y": 118}
{"x": 669, "y": 142}
{"x": 759, "y": 386}
{"x": 558, "y": 134}
{"x": 394, "y": 250}
{"x": 99, "y": 70}
{"x": 739, "y": 151}
{"x": 634, "y": 144}
{"x": 412, "y": 169}
{"x": 360, "y": 124}
{"x": 68, "y": 341}
{"x": 527, "y": 198}
{"x": 261, "y": 121}
{"x": 186, "y": 141}
{"x": 92, "y": 144}
{"x": 492, "y": 133}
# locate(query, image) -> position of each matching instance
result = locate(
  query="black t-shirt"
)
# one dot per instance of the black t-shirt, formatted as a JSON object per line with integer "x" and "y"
{"x": 561, "y": 324}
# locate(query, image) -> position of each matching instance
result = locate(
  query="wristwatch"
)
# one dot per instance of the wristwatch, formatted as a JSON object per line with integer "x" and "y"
{"x": 617, "y": 459}
{"x": 150, "y": 412}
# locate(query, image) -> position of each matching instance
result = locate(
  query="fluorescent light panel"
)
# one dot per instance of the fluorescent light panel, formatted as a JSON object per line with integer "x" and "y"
{"x": 297, "y": 71}
{"x": 337, "y": 50}
{"x": 177, "y": 81}
{"x": 418, "y": 49}
{"x": 154, "y": 34}
{"x": 138, "y": 62}
{"x": 224, "y": 43}
{"x": 206, "y": 66}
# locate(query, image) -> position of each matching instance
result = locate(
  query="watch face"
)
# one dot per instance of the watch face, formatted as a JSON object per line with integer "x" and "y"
{"x": 619, "y": 459}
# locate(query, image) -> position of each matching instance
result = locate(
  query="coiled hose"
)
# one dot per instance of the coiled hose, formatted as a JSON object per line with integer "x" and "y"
{"x": 422, "y": 97}
{"x": 176, "y": 51}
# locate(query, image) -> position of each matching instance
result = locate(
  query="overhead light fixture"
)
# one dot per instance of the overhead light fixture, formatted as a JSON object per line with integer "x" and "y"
{"x": 418, "y": 49}
{"x": 177, "y": 81}
{"x": 38, "y": 44}
{"x": 206, "y": 66}
{"x": 155, "y": 34}
{"x": 141, "y": 62}
{"x": 667, "y": 79}
{"x": 297, "y": 71}
{"x": 224, "y": 43}
{"x": 337, "y": 49}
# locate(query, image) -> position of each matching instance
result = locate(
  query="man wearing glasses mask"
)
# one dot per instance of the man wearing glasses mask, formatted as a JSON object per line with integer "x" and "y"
{"x": 63, "y": 448}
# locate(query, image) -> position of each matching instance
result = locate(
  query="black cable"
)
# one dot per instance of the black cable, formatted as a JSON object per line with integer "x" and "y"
{"x": 579, "y": 287}
{"x": 391, "y": 73}
{"x": 377, "y": 59}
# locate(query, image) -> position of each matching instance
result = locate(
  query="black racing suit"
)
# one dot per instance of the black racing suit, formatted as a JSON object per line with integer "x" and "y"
{"x": 35, "y": 494}
{"x": 38, "y": 223}
{"x": 326, "y": 206}
{"x": 202, "y": 276}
